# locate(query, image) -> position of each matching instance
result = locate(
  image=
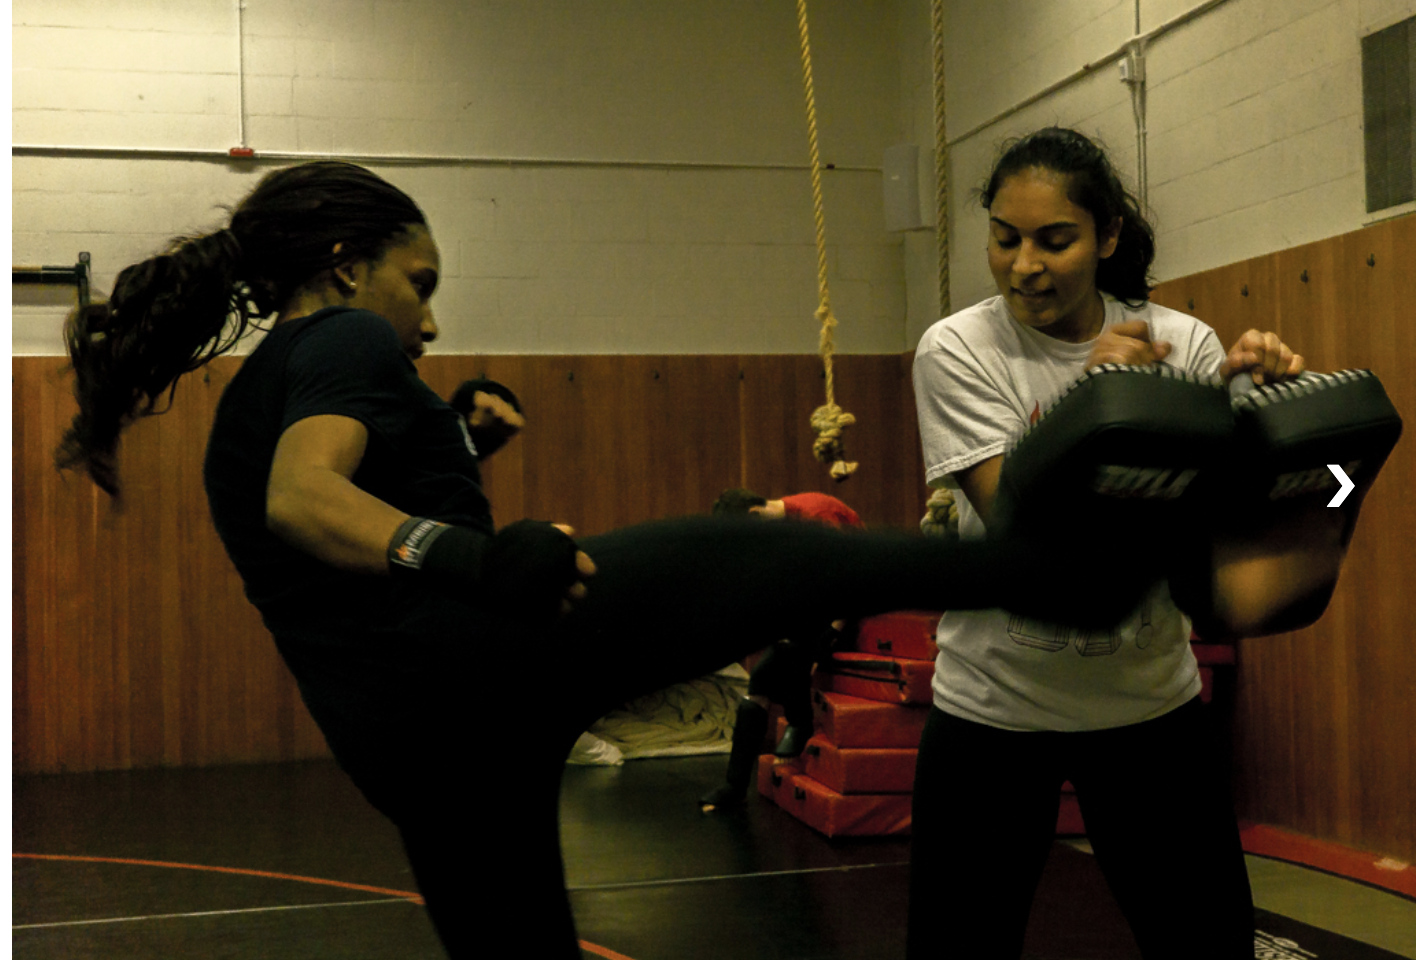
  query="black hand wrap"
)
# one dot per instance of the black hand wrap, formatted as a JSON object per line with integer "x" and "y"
{"x": 523, "y": 572}
{"x": 528, "y": 569}
{"x": 449, "y": 555}
{"x": 464, "y": 399}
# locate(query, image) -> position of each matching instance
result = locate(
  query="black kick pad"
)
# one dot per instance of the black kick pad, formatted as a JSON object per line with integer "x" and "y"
{"x": 1122, "y": 449}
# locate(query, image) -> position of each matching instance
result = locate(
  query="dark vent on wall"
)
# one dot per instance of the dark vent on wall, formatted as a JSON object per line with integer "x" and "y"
{"x": 1388, "y": 115}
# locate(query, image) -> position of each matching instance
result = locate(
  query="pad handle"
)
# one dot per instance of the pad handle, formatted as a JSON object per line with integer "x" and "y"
{"x": 1239, "y": 385}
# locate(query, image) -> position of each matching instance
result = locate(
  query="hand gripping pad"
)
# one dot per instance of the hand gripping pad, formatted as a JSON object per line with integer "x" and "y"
{"x": 1121, "y": 451}
{"x": 1269, "y": 504}
{"x": 1286, "y": 435}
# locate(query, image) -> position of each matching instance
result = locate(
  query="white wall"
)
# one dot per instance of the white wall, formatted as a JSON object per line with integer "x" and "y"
{"x": 638, "y": 254}
{"x": 1254, "y": 144}
{"x": 1254, "y": 120}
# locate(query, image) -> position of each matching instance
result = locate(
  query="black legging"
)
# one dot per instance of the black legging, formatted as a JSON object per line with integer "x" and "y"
{"x": 1157, "y": 800}
{"x": 671, "y": 600}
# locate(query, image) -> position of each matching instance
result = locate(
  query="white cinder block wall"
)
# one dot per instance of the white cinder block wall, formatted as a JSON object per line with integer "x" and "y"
{"x": 1254, "y": 120}
{"x": 1254, "y": 144}
{"x": 598, "y": 236}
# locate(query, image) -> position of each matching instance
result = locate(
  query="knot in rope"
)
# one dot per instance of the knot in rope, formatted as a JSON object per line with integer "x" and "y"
{"x": 829, "y": 420}
{"x": 941, "y": 517}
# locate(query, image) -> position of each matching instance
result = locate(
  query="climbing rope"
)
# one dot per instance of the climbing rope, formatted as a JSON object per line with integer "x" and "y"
{"x": 829, "y": 419}
{"x": 941, "y": 516}
{"x": 939, "y": 100}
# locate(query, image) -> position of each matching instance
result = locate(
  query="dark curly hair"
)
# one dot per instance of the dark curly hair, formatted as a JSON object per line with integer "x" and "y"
{"x": 172, "y": 313}
{"x": 1094, "y": 186}
{"x": 735, "y": 502}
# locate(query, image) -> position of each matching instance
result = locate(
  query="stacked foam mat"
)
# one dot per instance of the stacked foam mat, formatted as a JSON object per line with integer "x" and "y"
{"x": 854, "y": 778}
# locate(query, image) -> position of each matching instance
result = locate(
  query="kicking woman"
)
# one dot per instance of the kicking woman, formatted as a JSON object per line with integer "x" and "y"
{"x": 349, "y": 498}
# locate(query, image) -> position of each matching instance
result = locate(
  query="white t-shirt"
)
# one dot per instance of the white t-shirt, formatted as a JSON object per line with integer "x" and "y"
{"x": 981, "y": 379}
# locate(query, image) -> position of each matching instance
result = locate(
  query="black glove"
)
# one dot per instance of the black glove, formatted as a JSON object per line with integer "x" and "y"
{"x": 528, "y": 569}
{"x": 463, "y": 401}
{"x": 523, "y": 572}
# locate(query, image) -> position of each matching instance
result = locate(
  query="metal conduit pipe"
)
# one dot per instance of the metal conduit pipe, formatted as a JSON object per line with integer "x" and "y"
{"x": 1140, "y": 39}
{"x": 244, "y": 152}
{"x": 187, "y": 153}
{"x": 1139, "y": 105}
{"x": 243, "y": 86}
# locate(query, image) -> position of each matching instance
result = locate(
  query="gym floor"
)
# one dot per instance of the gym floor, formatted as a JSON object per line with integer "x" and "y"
{"x": 287, "y": 861}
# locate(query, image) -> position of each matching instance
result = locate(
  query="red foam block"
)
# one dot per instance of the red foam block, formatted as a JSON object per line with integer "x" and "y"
{"x": 859, "y": 770}
{"x": 835, "y": 814}
{"x": 910, "y": 634}
{"x": 849, "y": 721}
{"x": 876, "y": 677}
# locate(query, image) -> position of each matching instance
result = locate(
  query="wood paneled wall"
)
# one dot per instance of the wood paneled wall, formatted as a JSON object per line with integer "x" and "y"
{"x": 615, "y": 440}
{"x": 133, "y": 643}
{"x": 1325, "y": 717}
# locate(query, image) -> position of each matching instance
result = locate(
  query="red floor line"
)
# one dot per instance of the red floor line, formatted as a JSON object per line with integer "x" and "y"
{"x": 1257, "y": 839}
{"x": 599, "y": 951}
{"x": 602, "y": 951}
{"x": 1370, "y": 868}
{"x": 406, "y": 894}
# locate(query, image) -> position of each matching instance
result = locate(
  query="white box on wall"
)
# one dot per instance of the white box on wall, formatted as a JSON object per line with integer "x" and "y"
{"x": 908, "y": 187}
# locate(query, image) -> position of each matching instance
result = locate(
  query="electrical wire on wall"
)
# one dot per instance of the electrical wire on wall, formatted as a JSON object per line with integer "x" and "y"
{"x": 1140, "y": 41}
{"x": 1133, "y": 74}
{"x": 242, "y": 149}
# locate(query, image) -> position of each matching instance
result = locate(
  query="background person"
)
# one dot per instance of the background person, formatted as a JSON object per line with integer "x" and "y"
{"x": 783, "y": 673}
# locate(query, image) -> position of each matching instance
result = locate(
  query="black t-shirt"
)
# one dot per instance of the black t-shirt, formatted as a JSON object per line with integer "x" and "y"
{"x": 347, "y": 636}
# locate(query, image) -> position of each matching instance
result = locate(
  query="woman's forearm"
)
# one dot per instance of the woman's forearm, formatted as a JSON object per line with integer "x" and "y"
{"x": 1270, "y": 581}
{"x": 324, "y": 514}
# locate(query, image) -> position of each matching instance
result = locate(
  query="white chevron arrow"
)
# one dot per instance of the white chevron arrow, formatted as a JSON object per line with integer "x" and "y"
{"x": 1345, "y": 490}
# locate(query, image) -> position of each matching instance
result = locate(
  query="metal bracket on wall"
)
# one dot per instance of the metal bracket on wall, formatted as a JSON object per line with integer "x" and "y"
{"x": 78, "y": 275}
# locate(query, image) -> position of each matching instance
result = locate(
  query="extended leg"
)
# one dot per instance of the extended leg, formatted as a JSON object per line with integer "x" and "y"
{"x": 677, "y": 599}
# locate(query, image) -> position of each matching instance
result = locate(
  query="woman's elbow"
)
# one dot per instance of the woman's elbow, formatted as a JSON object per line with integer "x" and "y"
{"x": 1268, "y": 604}
{"x": 283, "y": 511}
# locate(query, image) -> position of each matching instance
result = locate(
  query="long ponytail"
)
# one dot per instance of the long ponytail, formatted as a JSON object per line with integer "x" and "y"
{"x": 167, "y": 316}
{"x": 171, "y": 314}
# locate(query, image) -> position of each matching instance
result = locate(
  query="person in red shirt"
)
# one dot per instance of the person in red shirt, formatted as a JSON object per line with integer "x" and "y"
{"x": 782, "y": 673}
